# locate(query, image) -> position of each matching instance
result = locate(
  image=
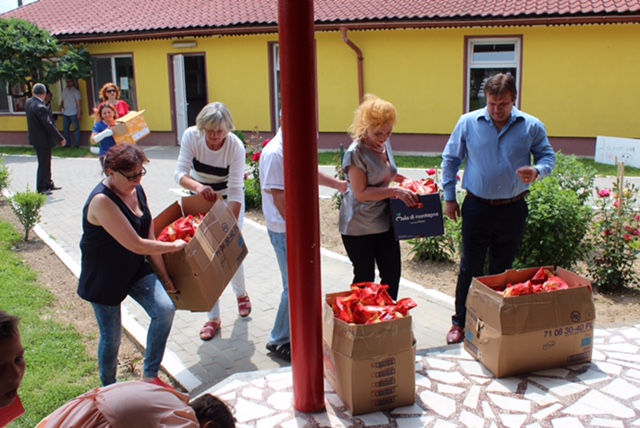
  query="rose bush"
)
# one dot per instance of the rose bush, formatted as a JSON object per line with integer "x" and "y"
{"x": 615, "y": 238}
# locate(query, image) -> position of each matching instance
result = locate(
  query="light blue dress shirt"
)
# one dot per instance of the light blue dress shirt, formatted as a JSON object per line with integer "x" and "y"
{"x": 492, "y": 156}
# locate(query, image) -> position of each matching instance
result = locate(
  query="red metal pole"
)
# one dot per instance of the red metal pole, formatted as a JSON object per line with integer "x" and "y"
{"x": 299, "y": 132}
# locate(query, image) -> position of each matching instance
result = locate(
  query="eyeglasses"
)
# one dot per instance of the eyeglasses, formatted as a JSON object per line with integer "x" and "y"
{"x": 110, "y": 90}
{"x": 134, "y": 177}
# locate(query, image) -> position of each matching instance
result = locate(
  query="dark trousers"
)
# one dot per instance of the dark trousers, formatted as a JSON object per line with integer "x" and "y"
{"x": 493, "y": 230}
{"x": 43, "y": 176}
{"x": 368, "y": 250}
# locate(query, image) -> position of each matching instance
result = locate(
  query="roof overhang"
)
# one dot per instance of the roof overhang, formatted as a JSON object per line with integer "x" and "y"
{"x": 353, "y": 25}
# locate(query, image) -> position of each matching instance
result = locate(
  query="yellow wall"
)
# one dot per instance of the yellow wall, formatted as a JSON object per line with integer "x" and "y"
{"x": 582, "y": 81}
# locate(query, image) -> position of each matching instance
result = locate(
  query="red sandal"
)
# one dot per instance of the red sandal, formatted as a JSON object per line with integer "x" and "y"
{"x": 244, "y": 306}
{"x": 209, "y": 330}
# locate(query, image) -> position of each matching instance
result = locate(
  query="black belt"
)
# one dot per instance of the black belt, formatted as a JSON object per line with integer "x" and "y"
{"x": 499, "y": 202}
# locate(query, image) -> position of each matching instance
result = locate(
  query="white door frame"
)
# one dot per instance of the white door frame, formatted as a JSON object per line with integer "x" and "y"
{"x": 180, "y": 96}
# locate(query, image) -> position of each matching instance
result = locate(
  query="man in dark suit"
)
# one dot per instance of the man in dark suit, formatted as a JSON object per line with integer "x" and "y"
{"x": 43, "y": 136}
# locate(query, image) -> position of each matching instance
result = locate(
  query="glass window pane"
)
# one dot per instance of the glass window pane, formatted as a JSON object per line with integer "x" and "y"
{"x": 479, "y": 77}
{"x": 125, "y": 80}
{"x": 4, "y": 98}
{"x": 493, "y": 52}
{"x": 102, "y": 74}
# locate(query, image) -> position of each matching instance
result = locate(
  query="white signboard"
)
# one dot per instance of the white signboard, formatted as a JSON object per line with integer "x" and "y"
{"x": 626, "y": 150}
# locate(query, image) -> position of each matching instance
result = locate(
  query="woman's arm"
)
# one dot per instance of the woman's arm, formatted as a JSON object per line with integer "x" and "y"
{"x": 365, "y": 193}
{"x": 105, "y": 213}
{"x": 157, "y": 261}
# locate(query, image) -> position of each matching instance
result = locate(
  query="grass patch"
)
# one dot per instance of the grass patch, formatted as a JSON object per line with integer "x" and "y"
{"x": 329, "y": 158}
{"x": 426, "y": 162}
{"x": 61, "y": 152}
{"x": 58, "y": 367}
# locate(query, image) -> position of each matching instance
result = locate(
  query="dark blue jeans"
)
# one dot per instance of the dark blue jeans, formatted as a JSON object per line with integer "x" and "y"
{"x": 493, "y": 230}
{"x": 150, "y": 294}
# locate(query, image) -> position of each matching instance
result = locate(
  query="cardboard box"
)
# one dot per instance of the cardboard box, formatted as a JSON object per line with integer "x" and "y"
{"x": 371, "y": 367}
{"x": 409, "y": 223}
{"x": 202, "y": 270}
{"x": 512, "y": 335}
{"x": 130, "y": 128}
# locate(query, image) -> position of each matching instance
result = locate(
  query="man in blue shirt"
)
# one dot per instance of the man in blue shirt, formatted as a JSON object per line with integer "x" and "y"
{"x": 497, "y": 143}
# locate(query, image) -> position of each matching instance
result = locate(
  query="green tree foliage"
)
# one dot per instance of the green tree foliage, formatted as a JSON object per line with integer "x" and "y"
{"x": 30, "y": 55}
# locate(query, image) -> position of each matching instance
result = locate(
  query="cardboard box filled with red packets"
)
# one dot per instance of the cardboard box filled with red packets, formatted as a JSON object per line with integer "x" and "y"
{"x": 530, "y": 319}
{"x": 371, "y": 363}
{"x": 202, "y": 270}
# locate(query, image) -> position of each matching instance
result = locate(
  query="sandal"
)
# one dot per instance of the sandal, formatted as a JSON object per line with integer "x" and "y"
{"x": 209, "y": 330}
{"x": 283, "y": 351}
{"x": 244, "y": 306}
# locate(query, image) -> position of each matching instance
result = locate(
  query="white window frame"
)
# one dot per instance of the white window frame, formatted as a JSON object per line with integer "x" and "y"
{"x": 277, "y": 87}
{"x": 96, "y": 86}
{"x": 515, "y": 63}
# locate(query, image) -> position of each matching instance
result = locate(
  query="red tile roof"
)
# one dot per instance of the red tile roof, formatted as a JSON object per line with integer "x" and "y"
{"x": 75, "y": 18}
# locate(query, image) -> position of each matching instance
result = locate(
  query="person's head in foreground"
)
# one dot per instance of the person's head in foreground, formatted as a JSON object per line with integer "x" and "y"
{"x": 125, "y": 163}
{"x": 212, "y": 412}
{"x": 373, "y": 121}
{"x": 140, "y": 405}
{"x": 12, "y": 364}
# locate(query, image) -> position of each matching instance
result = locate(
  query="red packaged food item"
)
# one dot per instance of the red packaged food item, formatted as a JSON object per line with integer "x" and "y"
{"x": 183, "y": 228}
{"x": 421, "y": 187}
{"x": 544, "y": 281}
{"x": 370, "y": 303}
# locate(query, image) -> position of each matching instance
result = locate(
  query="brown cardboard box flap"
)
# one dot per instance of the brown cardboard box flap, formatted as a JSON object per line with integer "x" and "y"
{"x": 522, "y": 314}
{"x": 120, "y": 127}
{"x": 512, "y": 335}
{"x": 363, "y": 340}
{"x": 202, "y": 270}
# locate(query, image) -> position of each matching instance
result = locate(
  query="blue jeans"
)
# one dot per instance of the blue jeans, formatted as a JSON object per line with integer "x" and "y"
{"x": 280, "y": 332}
{"x": 150, "y": 294}
{"x": 71, "y": 120}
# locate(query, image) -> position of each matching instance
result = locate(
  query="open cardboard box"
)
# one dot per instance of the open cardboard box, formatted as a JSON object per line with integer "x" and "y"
{"x": 513, "y": 335}
{"x": 130, "y": 128}
{"x": 371, "y": 367}
{"x": 202, "y": 270}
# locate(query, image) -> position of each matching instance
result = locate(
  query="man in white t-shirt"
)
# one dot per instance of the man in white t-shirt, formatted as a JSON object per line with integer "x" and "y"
{"x": 273, "y": 208}
{"x": 71, "y": 112}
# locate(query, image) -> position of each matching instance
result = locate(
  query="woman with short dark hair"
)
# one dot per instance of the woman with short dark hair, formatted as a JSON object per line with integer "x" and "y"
{"x": 117, "y": 244}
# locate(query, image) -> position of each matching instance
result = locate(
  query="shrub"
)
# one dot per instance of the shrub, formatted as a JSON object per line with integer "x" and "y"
{"x": 558, "y": 216}
{"x": 339, "y": 174}
{"x": 615, "y": 238}
{"x": 5, "y": 176}
{"x": 253, "y": 147}
{"x": 26, "y": 206}
{"x": 443, "y": 248}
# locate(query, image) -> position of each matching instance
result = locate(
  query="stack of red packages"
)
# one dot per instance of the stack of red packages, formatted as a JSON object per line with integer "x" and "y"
{"x": 544, "y": 281}
{"x": 370, "y": 303}
{"x": 421, "y": 187}
{"x": 183, "y": 228}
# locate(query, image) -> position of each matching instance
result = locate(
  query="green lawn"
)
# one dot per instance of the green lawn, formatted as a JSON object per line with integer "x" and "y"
{"x": 426, "y": 162}
{"x": 58, "y": 366}
{"x": 330, "y": 158}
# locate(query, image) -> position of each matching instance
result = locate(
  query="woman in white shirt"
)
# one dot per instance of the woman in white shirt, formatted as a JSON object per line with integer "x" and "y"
{"x": 211, "y": 162}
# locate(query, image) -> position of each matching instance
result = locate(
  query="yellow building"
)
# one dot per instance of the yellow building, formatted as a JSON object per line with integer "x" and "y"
{"x": 576, "y": 69}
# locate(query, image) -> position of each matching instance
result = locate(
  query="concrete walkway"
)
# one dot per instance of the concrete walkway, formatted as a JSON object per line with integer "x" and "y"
{"x": 452, "y": 389}
{"x": 198, "y": 365}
